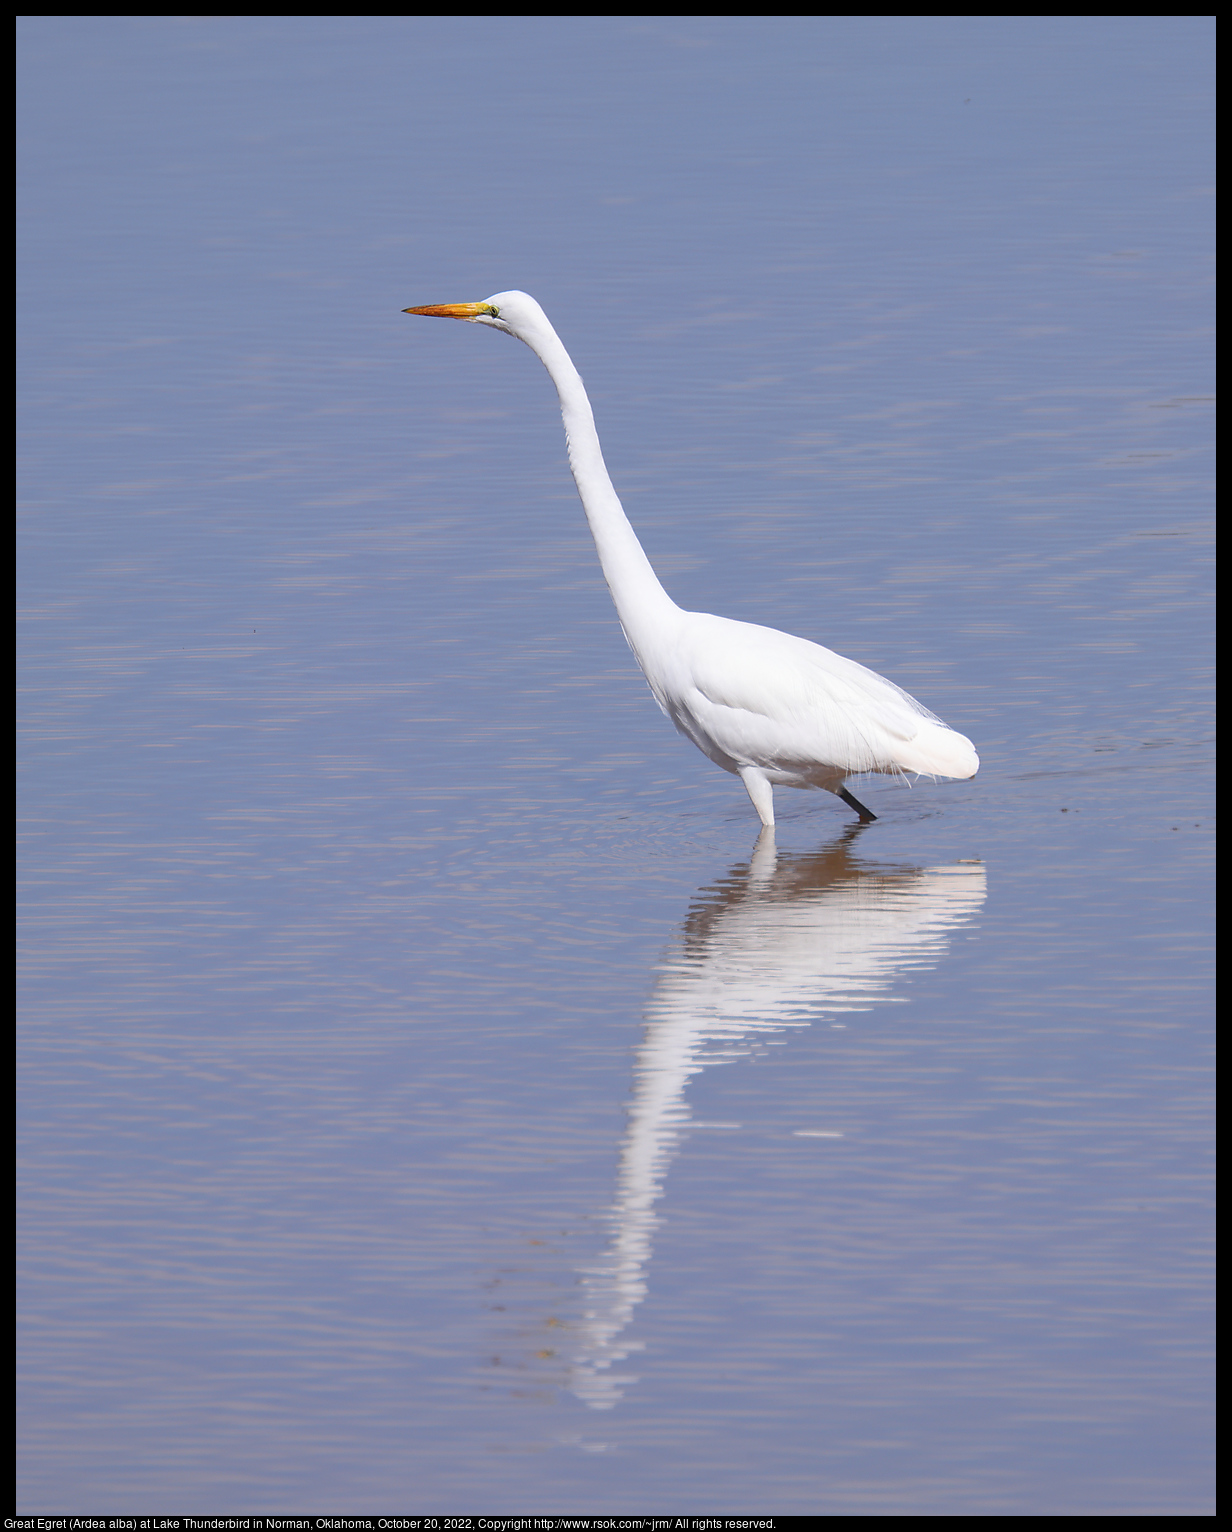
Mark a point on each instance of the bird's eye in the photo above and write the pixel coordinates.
(495, 313)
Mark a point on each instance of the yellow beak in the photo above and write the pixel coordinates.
(453, 310)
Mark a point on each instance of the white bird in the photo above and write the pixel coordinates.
(773, 709)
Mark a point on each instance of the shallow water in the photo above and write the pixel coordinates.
(434, 1095)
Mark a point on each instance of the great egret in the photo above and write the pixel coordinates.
(770, 708)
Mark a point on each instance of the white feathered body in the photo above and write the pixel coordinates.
(802, 714)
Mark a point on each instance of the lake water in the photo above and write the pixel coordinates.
(433, 1094)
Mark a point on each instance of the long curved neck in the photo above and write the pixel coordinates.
(635, 587)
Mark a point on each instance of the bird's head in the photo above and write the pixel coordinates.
(516, 313)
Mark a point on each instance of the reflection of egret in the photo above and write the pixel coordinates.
(762, 704)
(775, 946)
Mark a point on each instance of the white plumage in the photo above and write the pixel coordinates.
(774, 709)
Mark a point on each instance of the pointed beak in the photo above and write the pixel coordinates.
(453, 310)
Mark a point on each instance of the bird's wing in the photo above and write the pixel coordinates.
(760, 670)
(767, 696)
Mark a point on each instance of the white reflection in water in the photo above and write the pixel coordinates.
(779, 943)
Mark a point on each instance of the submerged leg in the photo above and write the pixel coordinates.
(760, 791)
(866, 815)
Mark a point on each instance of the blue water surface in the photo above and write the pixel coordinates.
(434, 1097)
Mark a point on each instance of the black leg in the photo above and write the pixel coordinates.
(866, 815)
